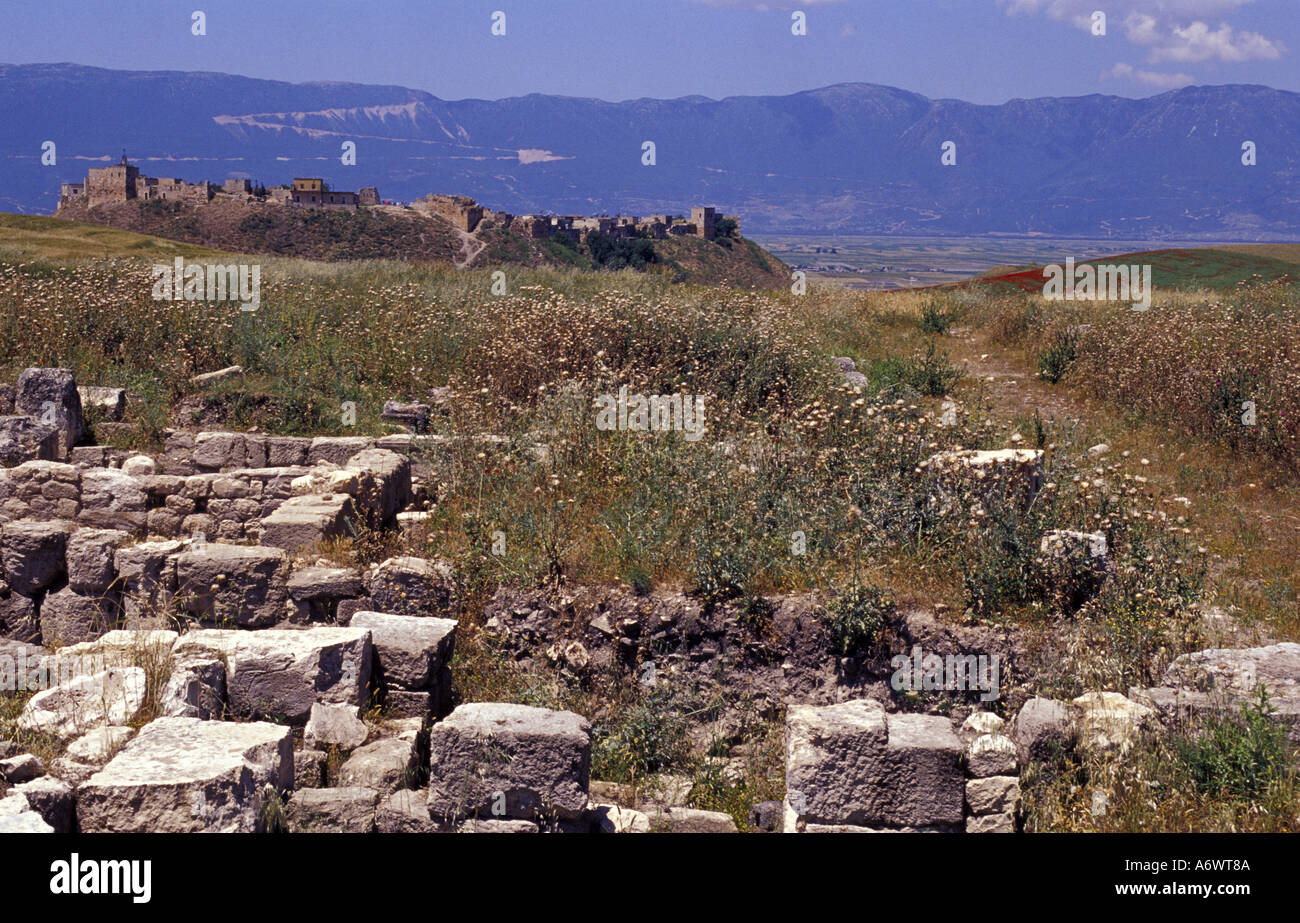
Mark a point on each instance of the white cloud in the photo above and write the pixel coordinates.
(1196, 42)
(1142, 29)
(1122, 71)
(848, 29)
(1171, 30)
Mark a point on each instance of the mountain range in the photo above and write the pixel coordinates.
(844, 159)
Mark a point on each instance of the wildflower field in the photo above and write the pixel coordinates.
(806, 479)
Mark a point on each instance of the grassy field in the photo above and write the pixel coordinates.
(891, 263)
(56, 240)
(1179, 269)
(788, 448)
(1287, 253)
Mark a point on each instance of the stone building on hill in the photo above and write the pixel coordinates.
(123, 182)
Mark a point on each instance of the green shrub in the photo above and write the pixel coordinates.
(620, 253)
(1003, 570)
(857, 618)
(272, 812)
(930, 373)
(934, 319)
(1056, 359)
(648, 737)
(1242, 754)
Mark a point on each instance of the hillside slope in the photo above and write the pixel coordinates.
(172, 228)
(1216, 268)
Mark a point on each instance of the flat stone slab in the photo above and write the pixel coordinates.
(52, 799)
(1238, 672)
(317, 591)
(1110, 721)
(497, 760)
(388, 764)
(21, 768)
(90, 554)
(99, 746)
(986, 472)
(33, 553)
(110, 401)
(335, 726)
(404, 812)
(336, 449)
(325, 583)
(112, 499)
(281, 673)
(1043, 728)
(23, 439)
(142, 648)
(993, 795)
(680, 820)
(1222, 680)
(147, 575)
(991, 755)
(186, 775)
(409, 585)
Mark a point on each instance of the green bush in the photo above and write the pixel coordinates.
(620, 253)
(1054, 361)
(934, 319)
(930, 373)
(1242, 755)
(1003, 570)
(857, 618)
(648, 737)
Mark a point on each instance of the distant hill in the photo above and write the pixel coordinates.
(317, 234)
(155, 228)
(852, 158)
(1214, 268)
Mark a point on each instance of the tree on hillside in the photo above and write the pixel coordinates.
(611, 253)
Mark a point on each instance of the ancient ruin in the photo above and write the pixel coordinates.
(123, 182)
(188, 587)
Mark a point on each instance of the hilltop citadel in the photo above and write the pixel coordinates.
(123, 182)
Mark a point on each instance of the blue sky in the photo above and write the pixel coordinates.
(984, 51)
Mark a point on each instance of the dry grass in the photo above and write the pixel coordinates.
(787, 449)
(1147, 387)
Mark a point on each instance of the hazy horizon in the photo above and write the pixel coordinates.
(632, 99)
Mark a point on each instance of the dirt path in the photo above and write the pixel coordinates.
(1239, 508)
(1008, 384)
(470, 248)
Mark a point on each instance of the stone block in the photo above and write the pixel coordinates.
(186, 775)
(281, 673)
(513, 761)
